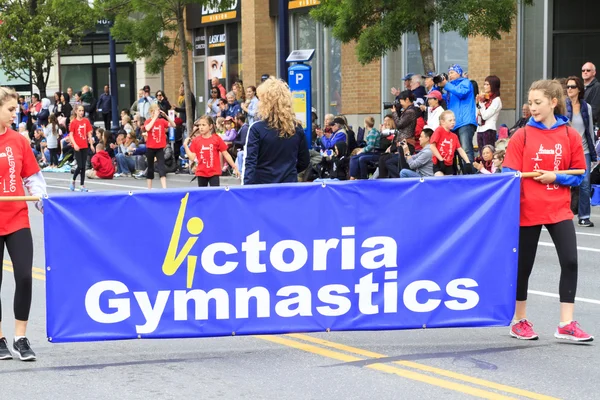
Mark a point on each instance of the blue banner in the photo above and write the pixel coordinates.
(366, 255)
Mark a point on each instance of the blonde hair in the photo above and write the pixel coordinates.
(275, 107)
(370, 122)
(210, 121)
(445, 114)
(7, 94)
(552, 89)
(153, 107)
(241, 94)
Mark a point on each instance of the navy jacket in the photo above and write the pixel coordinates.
(273, 159)
(233, 110)
(104, 103)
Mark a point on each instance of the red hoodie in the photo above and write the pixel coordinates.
(103, 165)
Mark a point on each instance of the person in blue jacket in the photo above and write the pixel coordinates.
(233, 107)
(460, 99)
(276, 148)
(337, 134)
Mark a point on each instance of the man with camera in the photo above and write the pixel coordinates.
(421, 164)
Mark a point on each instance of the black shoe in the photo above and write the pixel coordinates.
(586, 223)
(23, 349)
(5, 353)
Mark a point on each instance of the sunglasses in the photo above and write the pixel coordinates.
(571, 86)
(586, 70)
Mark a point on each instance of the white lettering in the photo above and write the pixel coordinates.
(151, 314)
(92, 302)
(252, 247)
(410, 296)
(455, 289)
(320, 251)
(388, 251)
(300, 255)
(390, 292)
(208, 258)
(348, 248)
(365, 289)
(302, 300)
(201, 299)
(242, 302)
(326, 295)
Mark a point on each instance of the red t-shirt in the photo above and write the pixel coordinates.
(207, 152)
(156, 136)
(80, 129)
(16, 162)
(550, 150)
(447, 143)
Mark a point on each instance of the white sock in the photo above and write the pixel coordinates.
(18, 337)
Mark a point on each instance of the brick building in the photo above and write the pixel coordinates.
(548, 39)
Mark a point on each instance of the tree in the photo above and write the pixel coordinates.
(378, 25)
(156, 32)
(33, 30)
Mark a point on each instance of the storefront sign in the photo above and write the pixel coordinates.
(211, 14)
(199, 43)
(295, 4)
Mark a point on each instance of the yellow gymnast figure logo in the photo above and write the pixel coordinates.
(173, 260)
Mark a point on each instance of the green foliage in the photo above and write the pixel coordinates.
(378, 25)
(33, 30)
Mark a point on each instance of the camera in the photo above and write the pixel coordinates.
(439, 78)
(388, 105)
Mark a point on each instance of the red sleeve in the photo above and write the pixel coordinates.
(514, 152)
(30, 165)
(72, 126)
(95, 163)
(577, 155)
(221, 146)
(435, 138)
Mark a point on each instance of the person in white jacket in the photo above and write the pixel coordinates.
(434, 109)
(488, 109)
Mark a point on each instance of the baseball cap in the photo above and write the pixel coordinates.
(434, 94)
(429, 74)
(338, 120)
(264, 77)
(407, 77)
(314, 111)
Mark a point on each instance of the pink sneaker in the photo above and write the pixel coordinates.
(572, 332)
(523, 330)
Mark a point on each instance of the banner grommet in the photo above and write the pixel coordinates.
(323, 184)
(422, 180)
(130, 193)
(227, 188)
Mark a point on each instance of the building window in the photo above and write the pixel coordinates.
(532, 46)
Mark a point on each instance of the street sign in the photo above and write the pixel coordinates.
(299, 80)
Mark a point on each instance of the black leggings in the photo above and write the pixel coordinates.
(563, 236)
(211, 181)
(54, 156)
(20, 249)
(160, 159)
(81, 158)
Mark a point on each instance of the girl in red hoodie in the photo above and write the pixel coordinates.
(18, 168)
(547, 144)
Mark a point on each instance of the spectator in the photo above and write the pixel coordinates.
(134, 109)
(212, 106)
(102, 166)
(337, 134)
(521, 122)
(34, 109)
(407, 81)
(250, 106)
(181, 105)
(502, 132)
(407, 121)
(369, 153)
(240, 141)
(23, 130)
(340, 162)
(71, 97)
(592, 89)
(156, 141)
(460, 99)
(42, 117)
(38, 144)
(23, 110)
(498, 160)
(579, 113)
(488, 111)
(418, 90)
(434, 110)
(216, 83)
(230, 132)
(55, 107)
(421, 164)
(223, 106)
(485, 163)
(233, 107)
(163, 102)
(126, 124)
(207, 148)
(429, 81)
(64, 116)
(89, 103)
(444, 143)
(388, 130)
(52, 134)
(105, 107)
(145, 103)
(276, 149)
(238, 90)
(124, 154)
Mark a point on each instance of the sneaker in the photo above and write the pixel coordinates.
(72, 187)
(5, 353)
(586, 223)
(23, 349)
(83, 189)
(523, 330)
(572, 332)
(117, 175)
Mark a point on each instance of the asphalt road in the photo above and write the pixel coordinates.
(443, 363)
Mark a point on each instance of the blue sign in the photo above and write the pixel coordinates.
(368, 255)
(299, 80)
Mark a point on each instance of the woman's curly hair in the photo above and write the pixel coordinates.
(275, 107)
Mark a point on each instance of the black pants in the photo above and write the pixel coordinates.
(54, 156)
(563, 236)
(81, 158)
(107, 121)
(20, 249)
(160, 159)
(212, 181)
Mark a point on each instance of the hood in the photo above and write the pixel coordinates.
(560, 121)
(103, 154)
(45, 104)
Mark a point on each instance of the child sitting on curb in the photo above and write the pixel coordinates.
(103, 167)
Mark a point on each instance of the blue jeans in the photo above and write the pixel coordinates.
(465, 134)
(125, 165)
(409, 173)
(359, 164)
(239, 160)
(585, 208)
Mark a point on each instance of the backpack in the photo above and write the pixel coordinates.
(351, 138)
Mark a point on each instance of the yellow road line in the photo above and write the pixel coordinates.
(7, 266)
(35, 269)
(427, 368)
(430, 380)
